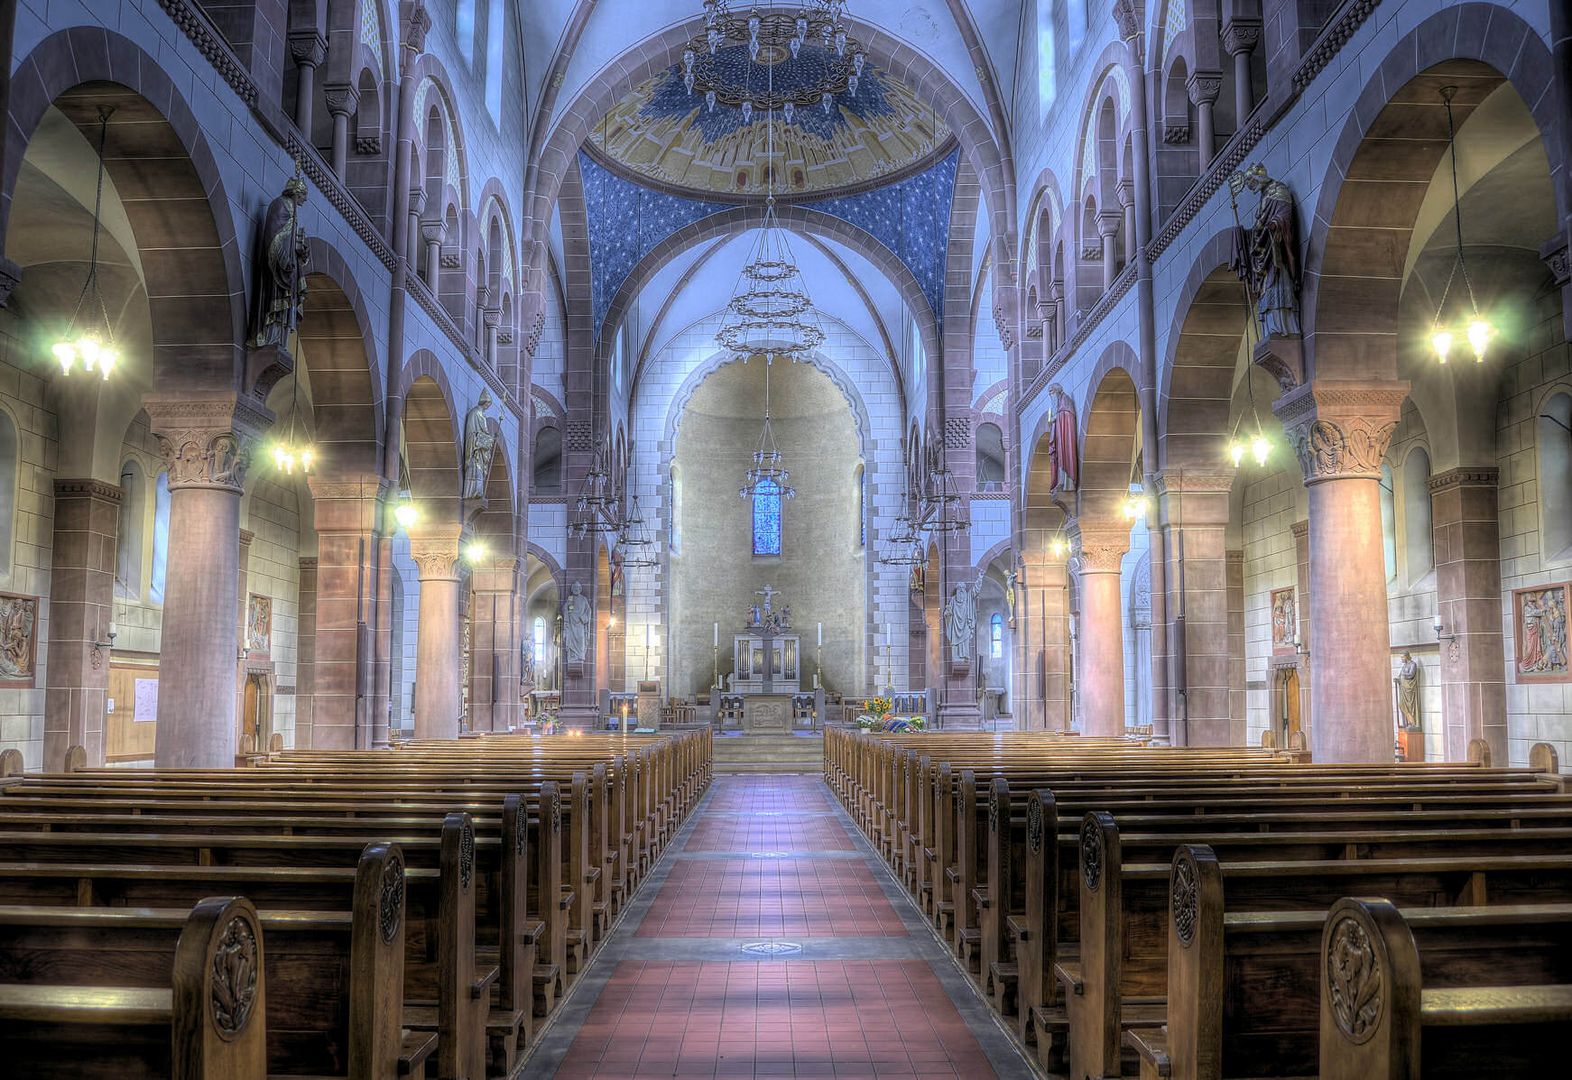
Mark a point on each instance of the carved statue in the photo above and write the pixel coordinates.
(1408, 676)
(1063, 449)
(283, 259)
(1266, 253)
(960, 619)
(479, 446)
(1543, 649)
(527, 664)
(18, 618)
(576, 624)
(1010, 580)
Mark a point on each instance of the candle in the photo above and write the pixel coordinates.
(889, 634)
(821, 633)
(717, 636)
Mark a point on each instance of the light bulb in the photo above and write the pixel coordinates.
(796, 47)
(688, 57)
(1057, 547)
(840, 43)
(858, 60)
(802, 28)
(406, 514)
(713, 37)
(107, 359)
(747, 112)
(687, 80)
(753, 28)
(1260, 447)
(1132, 507)
(1441, 342)
(851, 85)
(308, 458)
(709, 100)
(65, 353)
(279, 457)
(87, 347)
(475, 550)
(825, 101)
(1479, 334)
(1236, 451)
(788, 111)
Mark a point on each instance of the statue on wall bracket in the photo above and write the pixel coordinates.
(280, 264)
(1063, 447)
(480, 444)
(1266, 252)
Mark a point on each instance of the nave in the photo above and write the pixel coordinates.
(772, 941)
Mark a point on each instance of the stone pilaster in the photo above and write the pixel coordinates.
(81, 609)
(1193, 514)
(1300, 530)
(347, 517)
(1467, 536)
(306, 654)
(1340, 431)
(438, 699)
(207, 445)
(1099, 554)
(495, 640)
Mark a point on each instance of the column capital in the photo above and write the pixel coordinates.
(1204, 87)
(1340, 429)
(1186, 498)
(1241, 35)
(10, 276)
(307, 48)
(417, 200)
(432, 230)
(341, 100)
(1101, 550)
(1486, 476)
(1108, 222)
(435, 552)
(206, 442)
(1300, 529)
(87, 488)
(1124, 191)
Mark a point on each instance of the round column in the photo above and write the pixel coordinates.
(1100, 661)
(437, 661)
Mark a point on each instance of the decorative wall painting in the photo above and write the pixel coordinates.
(1539, 633)
(259, 625)
(1285, 621)
(18, 639)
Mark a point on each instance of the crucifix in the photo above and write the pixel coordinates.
(769, 592)
(767, 627)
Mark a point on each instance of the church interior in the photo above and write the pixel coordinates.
(691, 538)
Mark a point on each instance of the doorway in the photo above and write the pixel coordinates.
(1288, 722)
(256, 713)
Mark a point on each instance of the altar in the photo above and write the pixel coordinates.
(766, 667)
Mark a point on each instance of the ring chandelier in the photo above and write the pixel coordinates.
(817, 58)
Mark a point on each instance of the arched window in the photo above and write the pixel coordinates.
(538, 643)
(133, 520)
(990, 457)
(1388, 523)
(996, 636)
(676, 511)
(1047, 76)
(496, 41)
(464, 28)
(9, 454)
(1418, 540)
(1553, 435)
(767, 519)
(160, 539)
(547, 475)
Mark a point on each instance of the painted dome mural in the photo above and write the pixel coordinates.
(662, 133)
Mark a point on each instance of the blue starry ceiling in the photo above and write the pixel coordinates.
(626, 221)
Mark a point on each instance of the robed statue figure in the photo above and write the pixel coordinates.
(1063, 452)
(479, 446)
(576, 624)
(960, 620)
(1408, 675)
(283, 259)
(1266, 253)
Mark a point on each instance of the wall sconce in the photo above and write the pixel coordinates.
(100, 646)
(1440, 629)
(1299, 647)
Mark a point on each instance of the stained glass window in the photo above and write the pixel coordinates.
(996, 636)
(767, 519)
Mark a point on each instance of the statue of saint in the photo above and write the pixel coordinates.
(1011, 578)
(1266, 253)
(576, 624)
(479, 446)
(960, 619)
(1408, 675)
(283, 259)
(1063, 449)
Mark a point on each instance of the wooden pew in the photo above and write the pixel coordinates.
(206, 1019)
(1395, 1008)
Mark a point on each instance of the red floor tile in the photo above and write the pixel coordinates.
(770, 898)
(769, 834)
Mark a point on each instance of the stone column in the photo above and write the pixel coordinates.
(1125, 190)
(1300, 530)
(1061, 330)
(494, 643)
(1041, 687)
(207, 446)
(1099, 556)
(1108, 222)
(341, 103)
(417, 203)
(438, 700)
(81, 609)
(491, 319)
(1239, 40)
(346, 513)
(306, 654)
(242, 572)
(1340, 431)
(308, 49)
(1467, 536)
(1193, 514)
(1238, 712)
(1204, 87)
(431, 232)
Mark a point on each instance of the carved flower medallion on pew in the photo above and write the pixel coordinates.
(1092, 854)
(1353, 979)
(234, 988)
(466, 855)
(1034, 826)
(391, 909)
(993, 811)
(1184, 898)
(520, 828)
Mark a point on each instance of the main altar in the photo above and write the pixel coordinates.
(766, 667)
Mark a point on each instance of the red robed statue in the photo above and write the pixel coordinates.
(1065, 458)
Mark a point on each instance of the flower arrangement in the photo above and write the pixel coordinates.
(881, 707)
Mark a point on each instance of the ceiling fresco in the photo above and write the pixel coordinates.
(661, 133)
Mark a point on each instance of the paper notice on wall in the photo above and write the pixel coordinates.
(146, 700)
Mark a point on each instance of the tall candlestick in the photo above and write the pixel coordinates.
(716, 642)
(821, 634)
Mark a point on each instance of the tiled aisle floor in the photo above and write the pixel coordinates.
(849, 982)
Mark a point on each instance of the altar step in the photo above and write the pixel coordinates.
(769, 753)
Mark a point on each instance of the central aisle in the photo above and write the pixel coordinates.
(771, 941)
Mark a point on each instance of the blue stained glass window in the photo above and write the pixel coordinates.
(767, 519)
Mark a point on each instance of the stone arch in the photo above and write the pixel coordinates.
(1196, 384)
(431, 437)
(497, 523)
(1108, 444)
(1370, 198)
(340, 355)
(197, 293)
(573, 120)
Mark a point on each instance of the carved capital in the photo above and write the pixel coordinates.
(432, 230)
(341, 100)
(206, 443)
(307, 48)
(1108, 222)
(1124, 191)
(1241, 35)
(1341, 429)
(435, 554)
(1101, 551)
(415, 29)
(1485, 476)
(1555, 253)
(417, 200)
(1127, 18)
(1204, 87)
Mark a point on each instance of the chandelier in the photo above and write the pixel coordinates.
(91, 342)
(903, 547)
(1477, 329)
(767, 476)
(634, 540)
(293, 453)
(943, 509)
(597, 511)
(817, 58)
